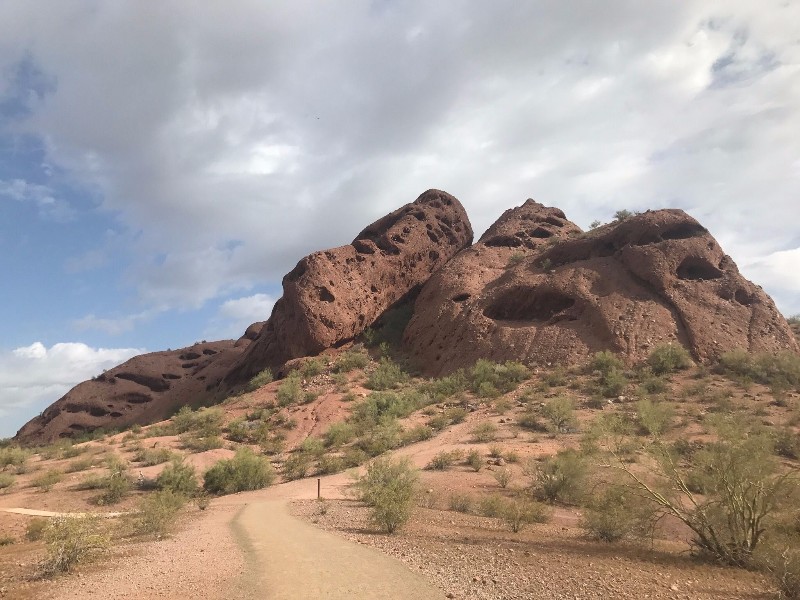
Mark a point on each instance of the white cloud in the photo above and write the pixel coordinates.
(32, 377)
(113, 326)
(780, 273)
(42, 196)
(235, 315)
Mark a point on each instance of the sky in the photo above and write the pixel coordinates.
(163, 164)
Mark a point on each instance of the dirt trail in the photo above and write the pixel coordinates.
(296, 560)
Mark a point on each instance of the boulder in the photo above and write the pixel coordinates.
(536, 288)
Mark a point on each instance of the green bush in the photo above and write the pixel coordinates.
(521, 510)
(386, 376)
(290, 390)
(201, 443)
(157, 513)
(152, 456)
(259, 381)
(115, 487)
(6, 480)
(35, 529)
(244, 472)
(297, 466)
(178, 477)
(655, 418)
(781, 370)
(444, 459)
(312, 367)
(460, 502)
(491, 506)
(350, 360)
(668, 358)
(418, 433)
(239, 431)
(474, 460)
(79, 465)
(47, 480)
(616, 512)
(329, 464)
(488, 379)
(206, 422)
(339, 434)
(559, 478)
(72, 540)
(560, 411)
(483, 432)
(503, 477)
(13, 455)
(389, 487)
(605, 362)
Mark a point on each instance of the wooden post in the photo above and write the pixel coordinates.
(319, 485)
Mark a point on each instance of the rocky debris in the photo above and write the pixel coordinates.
(536, 288)
(332, 296)
(145, 389)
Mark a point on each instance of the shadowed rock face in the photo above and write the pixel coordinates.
(535, 288)
(145, 389)
(332, 296)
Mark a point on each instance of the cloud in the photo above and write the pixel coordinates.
(42, 196)
(236, 315)
(252, 137)
(113, 326)
(32, 377)
(780, 272)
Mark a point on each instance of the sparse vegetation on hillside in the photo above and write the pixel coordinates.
(72, 540)
(259, 380)
(244, 472)
(389, 487)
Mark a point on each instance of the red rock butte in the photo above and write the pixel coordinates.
(535, 288)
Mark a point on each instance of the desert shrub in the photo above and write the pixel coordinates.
(206, 422)
(559, 478)
(350, 360)
(491, 506)
(474, 460)
(455, 415)
(13, 455)
(742, 487)
(612, 384)
(201, 443)
(668, 358)
(244, 472)
(654, 418)
(381, 438)
(35, 529)
(297, 466)
(354, 456)
(488, 379)
(787, 443)
(152, 456)
(485, 431)
(521, 510)
(511, 456)
(79, 465)
(446, 387)
(6, 480)
(444, 459)
(330, 464)
(418, 433)
(290, 390)
(652, 384)
(560, 411)
(47, 480)
(605, 362)
(459, 502)
(389, 487)
(259, 380)
(781, 370)
(72, 540)
(339, 434)
(312, 367)
(503, 477)
(386, 376)
(115, 487)
(157, 513)
(178, 477)
(616, 512)
(530, 420)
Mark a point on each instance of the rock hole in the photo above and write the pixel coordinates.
(209, 352)
(528, 304)
(97, 411)
(434, 237)
(742, 297)
(683, 231)
(433, 255)
(541, 233)
(325, 294)
(554, 221)
(697, 268)
(115, 414)
(184, 356)
(461, 297)
(503, 241)
(373, 289)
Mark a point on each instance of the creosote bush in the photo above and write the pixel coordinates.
(488, 379)
(351, 360)
(668, 358)
(389, 487)
(560, 411)
(244, 472)
(780, 371)
(615, 512)
(157, 513)
(386, 376)
(178, 477)
(260, 380)
(290, 390)
(483, 432)
(72, 540)
(559, 478)
(521, 510)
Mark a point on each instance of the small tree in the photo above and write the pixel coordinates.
(389, 487)
(725, 493)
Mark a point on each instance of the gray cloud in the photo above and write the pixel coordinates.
(235, 141)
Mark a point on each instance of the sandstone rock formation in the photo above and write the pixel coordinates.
(145, 389)
(537, 289)
(332, 296)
